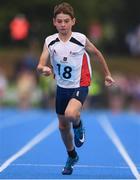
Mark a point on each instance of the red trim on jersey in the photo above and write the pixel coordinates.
(85, 73)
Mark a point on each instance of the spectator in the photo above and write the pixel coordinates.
(26, 85)
(3, 86)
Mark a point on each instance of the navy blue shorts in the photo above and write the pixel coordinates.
(64, 95)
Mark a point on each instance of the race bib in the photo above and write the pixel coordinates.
(66, 72)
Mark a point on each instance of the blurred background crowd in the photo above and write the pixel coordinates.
(112, 25)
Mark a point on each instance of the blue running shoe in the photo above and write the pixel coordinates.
(79, 135)
(68, 169)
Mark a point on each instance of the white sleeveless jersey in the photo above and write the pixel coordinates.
(70, 61)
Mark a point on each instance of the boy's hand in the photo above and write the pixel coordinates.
(46, 71)
(109, 81)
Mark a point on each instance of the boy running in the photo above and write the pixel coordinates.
(72, 70)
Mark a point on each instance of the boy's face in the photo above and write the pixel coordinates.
(63, 23)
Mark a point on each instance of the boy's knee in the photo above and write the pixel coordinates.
(72, 114)
(63, 127)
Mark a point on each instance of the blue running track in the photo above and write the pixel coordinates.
(31, 147)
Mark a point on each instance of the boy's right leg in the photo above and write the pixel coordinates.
(67, 137)
(65, 131)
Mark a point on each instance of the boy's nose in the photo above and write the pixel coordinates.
(63, 24)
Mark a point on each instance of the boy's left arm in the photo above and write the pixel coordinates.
(91, 48)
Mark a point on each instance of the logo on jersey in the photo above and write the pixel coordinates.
(73, 53)
(54, 52)
(65, 59)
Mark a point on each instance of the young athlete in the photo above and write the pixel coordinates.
(71, 67)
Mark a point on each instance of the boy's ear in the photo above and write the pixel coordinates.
(74, 21)
(54, 21)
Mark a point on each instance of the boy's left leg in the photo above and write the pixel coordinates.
(73, 114)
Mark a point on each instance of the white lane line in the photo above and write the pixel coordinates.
(103, 120)
(37, 139)
(79, 166)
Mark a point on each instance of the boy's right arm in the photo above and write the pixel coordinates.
(41, 67)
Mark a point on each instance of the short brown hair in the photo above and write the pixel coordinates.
(65, 8)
